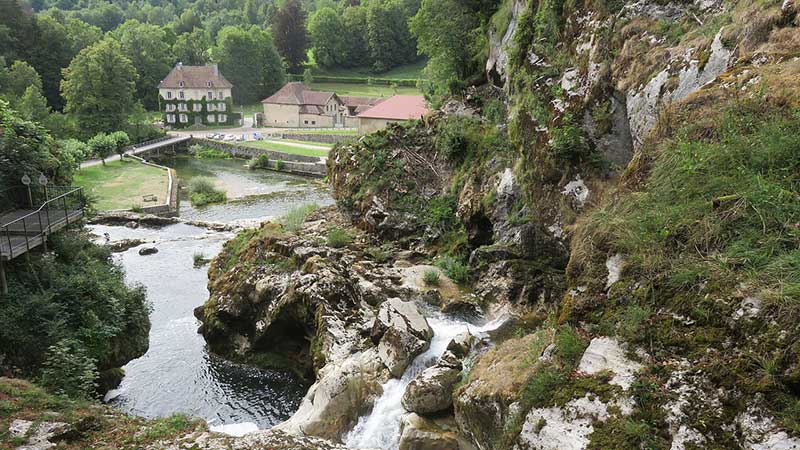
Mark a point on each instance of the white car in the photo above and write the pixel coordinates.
(229, 138)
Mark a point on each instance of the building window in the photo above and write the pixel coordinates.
(221, 107)
(182, 107)
(197, 107)
(170, 107)
(209, 95)
(180, 94)
(219, 95)
(305, 122)
(211, 118)
(208, 83)
(210, 107)
(169, 95)
(183, 118)
(313, 122)
(181, 84)
(170, 118)
(222, 118)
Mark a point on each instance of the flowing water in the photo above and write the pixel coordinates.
(381, 428)
(178, 374)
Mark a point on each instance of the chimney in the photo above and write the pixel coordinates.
(215, 70)
(179, 66)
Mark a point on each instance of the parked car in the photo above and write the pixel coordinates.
(229, 138)
(258, 137)
(240, 138)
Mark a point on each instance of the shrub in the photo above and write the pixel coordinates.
(259, 162)
(200, 259)
(380, 254)
(69, 370)
(338, 238)
(202, 152)
(295, 218)
(495, 110)
(102, 146)
(569, 143)
(279, 164)
(121, 140)
(570, 345)
(454, 268)
(431, 277)
(202, 192)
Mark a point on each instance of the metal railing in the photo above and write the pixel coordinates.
(58, 206)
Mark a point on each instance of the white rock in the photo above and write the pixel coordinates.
(761, 433)
(614, 266)
(507, 183)
(748, 309)
(605, 353)
(566, 428)
(578, 190)
(235, 429)
(19, 428)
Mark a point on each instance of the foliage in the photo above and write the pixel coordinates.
(121, 140)
(102, 145)
(446, 33)
(337, 238)
(99, 87)
(146, 46)
(199, 259)
(569, 143)
(202, 152)
(389, 40)
(203, 192)
(454, 268)
(74, 298)
(289, 34)
(259, 162)
(26, 149)
(249, 60)
(69, 370)
(431, 277)
(326, 32)
(192, 48)
(295, 218)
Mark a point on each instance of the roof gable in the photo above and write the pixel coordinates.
(197, 77)
(398, 107)
(296, 93)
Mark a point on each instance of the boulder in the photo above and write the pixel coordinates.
(418, 433)
(144, 251)
(401, 333)
(343, 393)
(432, 390)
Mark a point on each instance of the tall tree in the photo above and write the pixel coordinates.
(192, 48)
(50, 58)
(145, 45)
(33, 106)
(390, 43)
(327, 35)
(81, 34)
(289, 34)
(444, 30)
(99, 87)
(15, 80)
(249, 60)
(354, 21)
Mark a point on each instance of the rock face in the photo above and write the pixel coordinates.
(418, 433)
(401, 333)
(606, 354)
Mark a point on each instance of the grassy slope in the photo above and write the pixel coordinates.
(121, 184)
(291, 149)
(97, 427)
(407, 72)
(365, 89)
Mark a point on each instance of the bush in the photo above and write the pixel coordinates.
(121, 140)
(69, 370)
(259, 162)
(454, 268)
(279, 164)
(200, 260)
(431, 277)
(202, 192)
(102, 146)
(295, 218)
(202, 152)
(338, 238)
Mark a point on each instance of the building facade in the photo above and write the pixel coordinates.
(296, 106)
(196, 95)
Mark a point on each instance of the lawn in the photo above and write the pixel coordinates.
(122, 184)
(411, 71)
(365, 90)
(286, 148)
(335, 131)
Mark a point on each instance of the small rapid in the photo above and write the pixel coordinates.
(381, 428)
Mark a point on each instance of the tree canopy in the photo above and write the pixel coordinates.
(289, 34)
(250, 61)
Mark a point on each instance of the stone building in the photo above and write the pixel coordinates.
(399, 108)
(296, 106)
(196, 95)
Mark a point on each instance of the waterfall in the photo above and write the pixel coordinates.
(381, 428)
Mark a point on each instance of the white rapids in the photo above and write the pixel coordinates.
(381, 428)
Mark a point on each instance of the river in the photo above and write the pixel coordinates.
(178, 374)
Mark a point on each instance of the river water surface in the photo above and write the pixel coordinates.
(178, 374)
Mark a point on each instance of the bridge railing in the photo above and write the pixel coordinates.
(59, 207)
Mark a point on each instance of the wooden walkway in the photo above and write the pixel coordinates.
(144, 147)
(22, 230)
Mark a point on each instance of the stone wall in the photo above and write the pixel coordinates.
(311, 137)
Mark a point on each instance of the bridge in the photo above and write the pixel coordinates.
(143, 147)
(29, 215)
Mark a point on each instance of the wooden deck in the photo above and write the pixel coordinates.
(23, 235)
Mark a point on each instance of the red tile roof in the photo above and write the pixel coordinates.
(398, 107)
(194, 77)
(297, 94)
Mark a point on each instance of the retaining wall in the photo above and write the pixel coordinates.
(170, 206)
(312, 137)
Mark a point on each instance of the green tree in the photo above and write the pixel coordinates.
(192, 48)
(17, 79)
(444, 31)
(249, 60)
(74, 152)
(289, 34)
(52, 54)
(145, 45)
(388, 38)
(81, 34)
(354, 21)
(121, 140)
(33, 106)
(99, 87)
(187, 21)
(327, 34)
(102, 145)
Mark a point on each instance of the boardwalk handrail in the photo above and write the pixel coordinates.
(71, 203)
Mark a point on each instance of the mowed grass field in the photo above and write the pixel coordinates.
(122, 184)
(291, 149)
